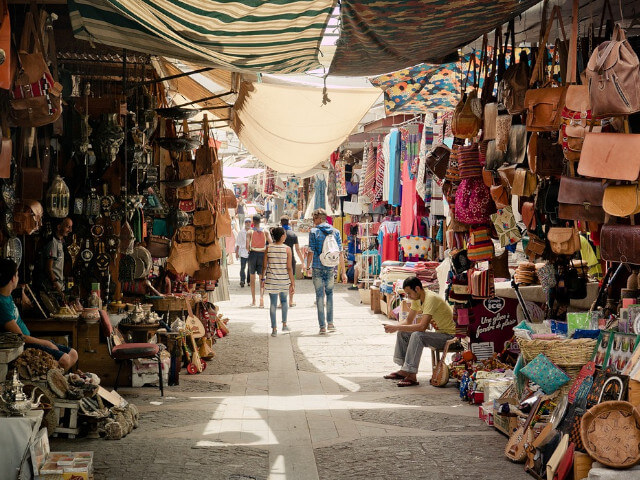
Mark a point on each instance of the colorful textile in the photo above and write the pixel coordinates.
(384, 36)
(332, 196)
(379, 185)
(291, 198)
(320, 186)
(393, 164)
(270, 37)
(480, 245)
(416, 249)
(408, 219)
(341, 179)
(367, 183)
(506, 227)
(421, 88)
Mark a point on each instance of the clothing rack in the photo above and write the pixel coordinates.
(365, 256)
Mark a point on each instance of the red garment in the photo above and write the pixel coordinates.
(390, 247)
(407, 221)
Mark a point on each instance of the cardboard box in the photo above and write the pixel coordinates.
(505, 423)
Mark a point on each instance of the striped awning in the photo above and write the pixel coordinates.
(275, 36)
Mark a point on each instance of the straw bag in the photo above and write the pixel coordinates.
(203, 218)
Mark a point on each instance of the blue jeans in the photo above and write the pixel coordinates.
(273, 297)
(323, 283)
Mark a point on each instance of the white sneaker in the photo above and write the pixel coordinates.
(322, 331)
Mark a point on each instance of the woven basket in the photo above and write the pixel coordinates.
(563, 353)
(607, 427)
(170, 303)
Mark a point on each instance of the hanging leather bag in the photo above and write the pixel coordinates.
(208, 253)
(6, 72)
(467, 116)
(577, 120)
(613, 156)
(564, 240)
(437, 160)
(544, 105)
(35, 96)
(620, 243)
(581, 199)
(515, 82)
(613, 77)
(205, 234)
(524, 183)
(159, 246)
(206, 155)
(27, 217)
(546, 158)
(6, 149)
(229, 198)
(621, 200)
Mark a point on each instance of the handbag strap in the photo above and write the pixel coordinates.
(572, 60)
(606, 6)
(472, 61)
(538, 68)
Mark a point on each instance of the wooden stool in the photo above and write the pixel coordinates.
(436, 354)
(66, 417)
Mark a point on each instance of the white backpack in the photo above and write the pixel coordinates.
(330, 256)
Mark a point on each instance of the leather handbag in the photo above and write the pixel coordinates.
(205, 234)
(35, 96)
(528, 212)
(507, 176)
(564, 240)
(203, 217)
(544, 105)
(493, 156)
(517, 147)
(613, 77)
(536, 246)
(6, 72)
(513, 86)
(466, 121)
(208, 272)
(31, 178)
(206, 155)
(577, 119)
(437, 160)
(223, 224)
(545, 156)
(186, 234)
(182, 258)
(488, 177)
(159, 246)
(622, 200)
(500, 195)
(489, 121)
(27, 217)
(610, 155)
(229, 198)
(620, 243)
(524, 183)
(185, 193)
(547, 199)
(208, 253)
(581, 199)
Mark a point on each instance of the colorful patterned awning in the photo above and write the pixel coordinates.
(384, 36)
(421, 88)
(276, 36)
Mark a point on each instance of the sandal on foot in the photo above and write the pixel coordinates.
(408, 383)
(394, 376)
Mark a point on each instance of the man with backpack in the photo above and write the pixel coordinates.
(257, 240)
(325, 253)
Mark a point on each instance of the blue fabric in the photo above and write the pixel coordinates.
(321, 194)
(9, 312)
(323, 283)
(316, 239)
(273, 298)
(394, 168)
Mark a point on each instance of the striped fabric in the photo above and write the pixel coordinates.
(480, 245)
(365, 164)
(469, 162)
(276, 36)
(277, 276)
(379, 175)
(370, 174)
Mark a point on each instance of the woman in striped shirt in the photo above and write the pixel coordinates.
(277, 276)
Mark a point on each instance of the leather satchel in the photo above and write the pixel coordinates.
(203, 217)
(223, 224)
(437, 160)
(524, 183)
(545, 156)
(205, 235)
(610, 155)
(622, 200)
(500, 195)
(31, 179)
(613, 75)
(564, 240)
(158, 246)
(529, 219)
(620, 243)
(466, 123)
(581, 199)
(507, 175)
(208, 253)
(185, 193)
(186, 234)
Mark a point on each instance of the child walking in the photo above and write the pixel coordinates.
(277, 275)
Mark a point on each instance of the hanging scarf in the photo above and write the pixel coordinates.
(379, 185)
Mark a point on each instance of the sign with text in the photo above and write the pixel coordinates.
(493, 321)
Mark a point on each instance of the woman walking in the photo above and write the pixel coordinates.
(277, 275)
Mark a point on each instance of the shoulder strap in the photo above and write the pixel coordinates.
(537, 69)
(572, 60)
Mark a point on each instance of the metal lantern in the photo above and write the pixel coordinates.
(58, 198)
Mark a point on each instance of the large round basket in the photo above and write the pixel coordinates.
(170, 303)
(610, 433)
(574, 352)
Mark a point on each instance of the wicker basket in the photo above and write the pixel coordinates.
(170, 303)
(564, 353)
(608, 426)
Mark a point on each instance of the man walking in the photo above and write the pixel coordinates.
(257, 240)
(241, 249)
(325, 253)
(427, 309)
(291, 240)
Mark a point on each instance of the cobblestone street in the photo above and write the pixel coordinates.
(301, 406)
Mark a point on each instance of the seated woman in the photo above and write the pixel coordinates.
(10, 320)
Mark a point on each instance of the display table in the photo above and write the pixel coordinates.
(54, 326)
(15, 435)
(140, 332)
(534, 293)
(8, 355)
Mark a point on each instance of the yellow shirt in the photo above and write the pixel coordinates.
(440, 311)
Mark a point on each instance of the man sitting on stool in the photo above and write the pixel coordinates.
(10, 320)
(427, 308)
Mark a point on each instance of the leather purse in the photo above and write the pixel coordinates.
(203, 217)
(524, 183)
(536, 246)
(159, 246)
(500, 195)
(229, 198)
(528, 212)
(620, 243)
(493, 156)
(182, 258)
(209, 272)
(507, 175)
(564, 240)
(208, 253)
(31, 178)
(223, 224)
(185, 193)
(513, 86)
(437, 160)
(205, 235)
(621, 200)
(614, 77)
(186, 234)
(545, 156)
(488, 177)
(581, 199)
(610, 155)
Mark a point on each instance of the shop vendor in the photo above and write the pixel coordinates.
(49, 274)
(427, 309)
(10, 320)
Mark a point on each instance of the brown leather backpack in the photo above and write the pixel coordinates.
(515, 81)
(613, 74)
